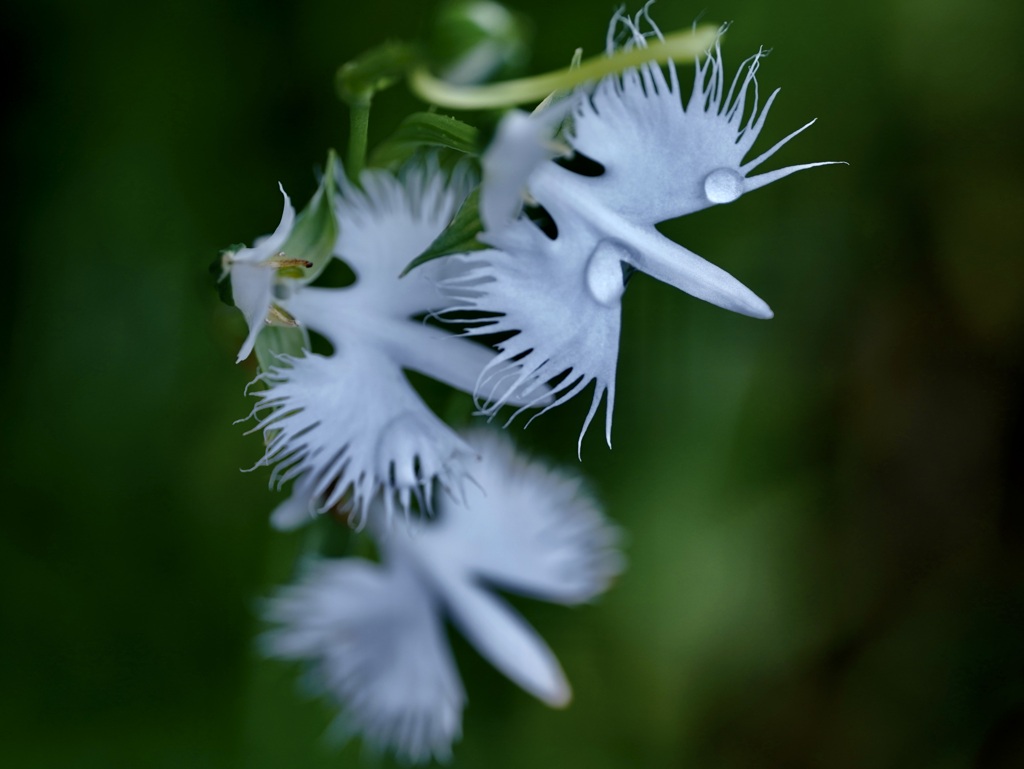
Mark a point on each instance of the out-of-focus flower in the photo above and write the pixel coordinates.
(374, 633)
(648, 157)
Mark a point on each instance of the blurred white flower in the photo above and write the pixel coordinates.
(253, 272)
(349, 425)
(649, 158)
(375, 635)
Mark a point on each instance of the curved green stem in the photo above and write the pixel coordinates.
(678, 46)
(359, 124)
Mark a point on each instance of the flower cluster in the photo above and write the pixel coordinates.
(562, 208)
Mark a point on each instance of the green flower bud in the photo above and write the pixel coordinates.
(478, 40)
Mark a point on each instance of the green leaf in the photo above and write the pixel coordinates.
(315, 232)
(274, 341)
(425, 129)
(458, 237)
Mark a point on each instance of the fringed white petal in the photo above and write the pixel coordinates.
(377, 646)
(350, 427)
(663, 159)
(386, 225)
(252, 279)
(562, 298)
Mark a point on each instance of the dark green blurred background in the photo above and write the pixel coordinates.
(823, 511)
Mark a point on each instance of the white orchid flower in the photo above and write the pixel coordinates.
(349, 426)
(375, 632)
(656, 157)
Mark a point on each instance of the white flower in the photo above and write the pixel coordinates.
(657, 158)
(375, 633)
(348, 426)
(252, 276)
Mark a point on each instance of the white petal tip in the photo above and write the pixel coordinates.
(560, 697)
(744, 302)
(247, 347)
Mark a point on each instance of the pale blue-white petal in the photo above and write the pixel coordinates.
(523, 526)
(252, 289)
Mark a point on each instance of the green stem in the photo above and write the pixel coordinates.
(359, 125)
(678, 46)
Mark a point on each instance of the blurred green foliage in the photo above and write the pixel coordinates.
(823, 511)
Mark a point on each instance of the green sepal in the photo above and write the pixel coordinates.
(356, 81)
(425, 129)
(220, 281)
(274, 341)
(458, 237)
(316, 229)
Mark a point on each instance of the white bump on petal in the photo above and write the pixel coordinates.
(723, 185)
(604, 275)
(378, 647)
